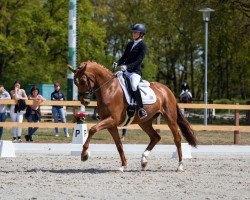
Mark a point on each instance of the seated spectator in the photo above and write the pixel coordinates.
(3, 108)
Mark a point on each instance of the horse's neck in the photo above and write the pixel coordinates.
(105, 83)
(102, 76)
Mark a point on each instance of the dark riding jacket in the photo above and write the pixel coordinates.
(133, 58)
(57, 95)
(184, 87)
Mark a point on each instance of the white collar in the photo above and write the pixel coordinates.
(137, 41)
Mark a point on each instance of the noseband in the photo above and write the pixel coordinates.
(89, 80)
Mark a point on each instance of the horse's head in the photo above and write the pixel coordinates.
(84, 81)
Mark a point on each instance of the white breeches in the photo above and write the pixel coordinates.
(134, 79)
(189, 93)
(16, 117)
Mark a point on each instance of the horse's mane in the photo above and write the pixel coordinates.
(94, 64)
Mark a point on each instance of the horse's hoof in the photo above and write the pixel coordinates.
(143, 165)
(85, 156)
(180, 168)
(122, 168)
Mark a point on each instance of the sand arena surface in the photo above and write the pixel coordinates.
(207, 176)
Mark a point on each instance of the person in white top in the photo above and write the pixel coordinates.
(3, 108)
(16, 94)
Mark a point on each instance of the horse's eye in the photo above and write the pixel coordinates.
(76, 81)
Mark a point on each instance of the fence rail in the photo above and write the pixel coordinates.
(93, 103)
(235, 127)
(133, 126)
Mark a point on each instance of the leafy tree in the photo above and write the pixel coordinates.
(33, 36)
(33, 41)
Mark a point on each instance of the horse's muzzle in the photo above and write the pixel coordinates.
(84, 98)
(85, 101)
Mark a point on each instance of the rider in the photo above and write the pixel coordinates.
(131, 63)
(185, 88)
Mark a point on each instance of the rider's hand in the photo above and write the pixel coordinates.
(115, 64)
(123, 68)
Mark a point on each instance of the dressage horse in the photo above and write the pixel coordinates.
(185, 97)
(91, 77)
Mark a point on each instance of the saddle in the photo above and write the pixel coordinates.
(147, 94)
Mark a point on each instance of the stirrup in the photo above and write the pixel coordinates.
(142, 113)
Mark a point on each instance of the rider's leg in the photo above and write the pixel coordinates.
(189, 93)
(182, 92)
(135, 80)
(142, 113)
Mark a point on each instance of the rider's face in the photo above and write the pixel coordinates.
(135, 35)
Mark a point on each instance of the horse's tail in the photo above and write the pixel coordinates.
(186, 130)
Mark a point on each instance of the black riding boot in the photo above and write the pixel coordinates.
(142, 113)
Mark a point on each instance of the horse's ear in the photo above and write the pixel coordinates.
(71, 68)
(83, 65)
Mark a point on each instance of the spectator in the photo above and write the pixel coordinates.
(17, 115)
(124, 132)
(33, 113)
(57, 111)
(3, 108)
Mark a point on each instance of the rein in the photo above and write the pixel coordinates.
(91, 90)
(94, 91)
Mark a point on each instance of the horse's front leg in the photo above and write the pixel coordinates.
(115, 134)
(99, 126)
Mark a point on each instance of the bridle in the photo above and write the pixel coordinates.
(91, 90)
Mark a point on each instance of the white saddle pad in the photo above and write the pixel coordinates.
(147, 94)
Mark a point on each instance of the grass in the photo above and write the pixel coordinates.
(47, 135)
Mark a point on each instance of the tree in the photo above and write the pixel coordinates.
(34, 35)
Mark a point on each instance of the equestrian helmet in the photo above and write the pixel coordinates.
(139, 28)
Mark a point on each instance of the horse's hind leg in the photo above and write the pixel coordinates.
(172, 123)
(154, 139)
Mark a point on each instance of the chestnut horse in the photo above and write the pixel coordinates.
(91, 77)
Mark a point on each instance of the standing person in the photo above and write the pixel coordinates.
(131, 63)
(3, 108)
(17, 115)
(57, 111)
(124, 132)
(33, 111)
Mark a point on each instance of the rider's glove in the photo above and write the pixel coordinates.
(123, 68)
(115, 64)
